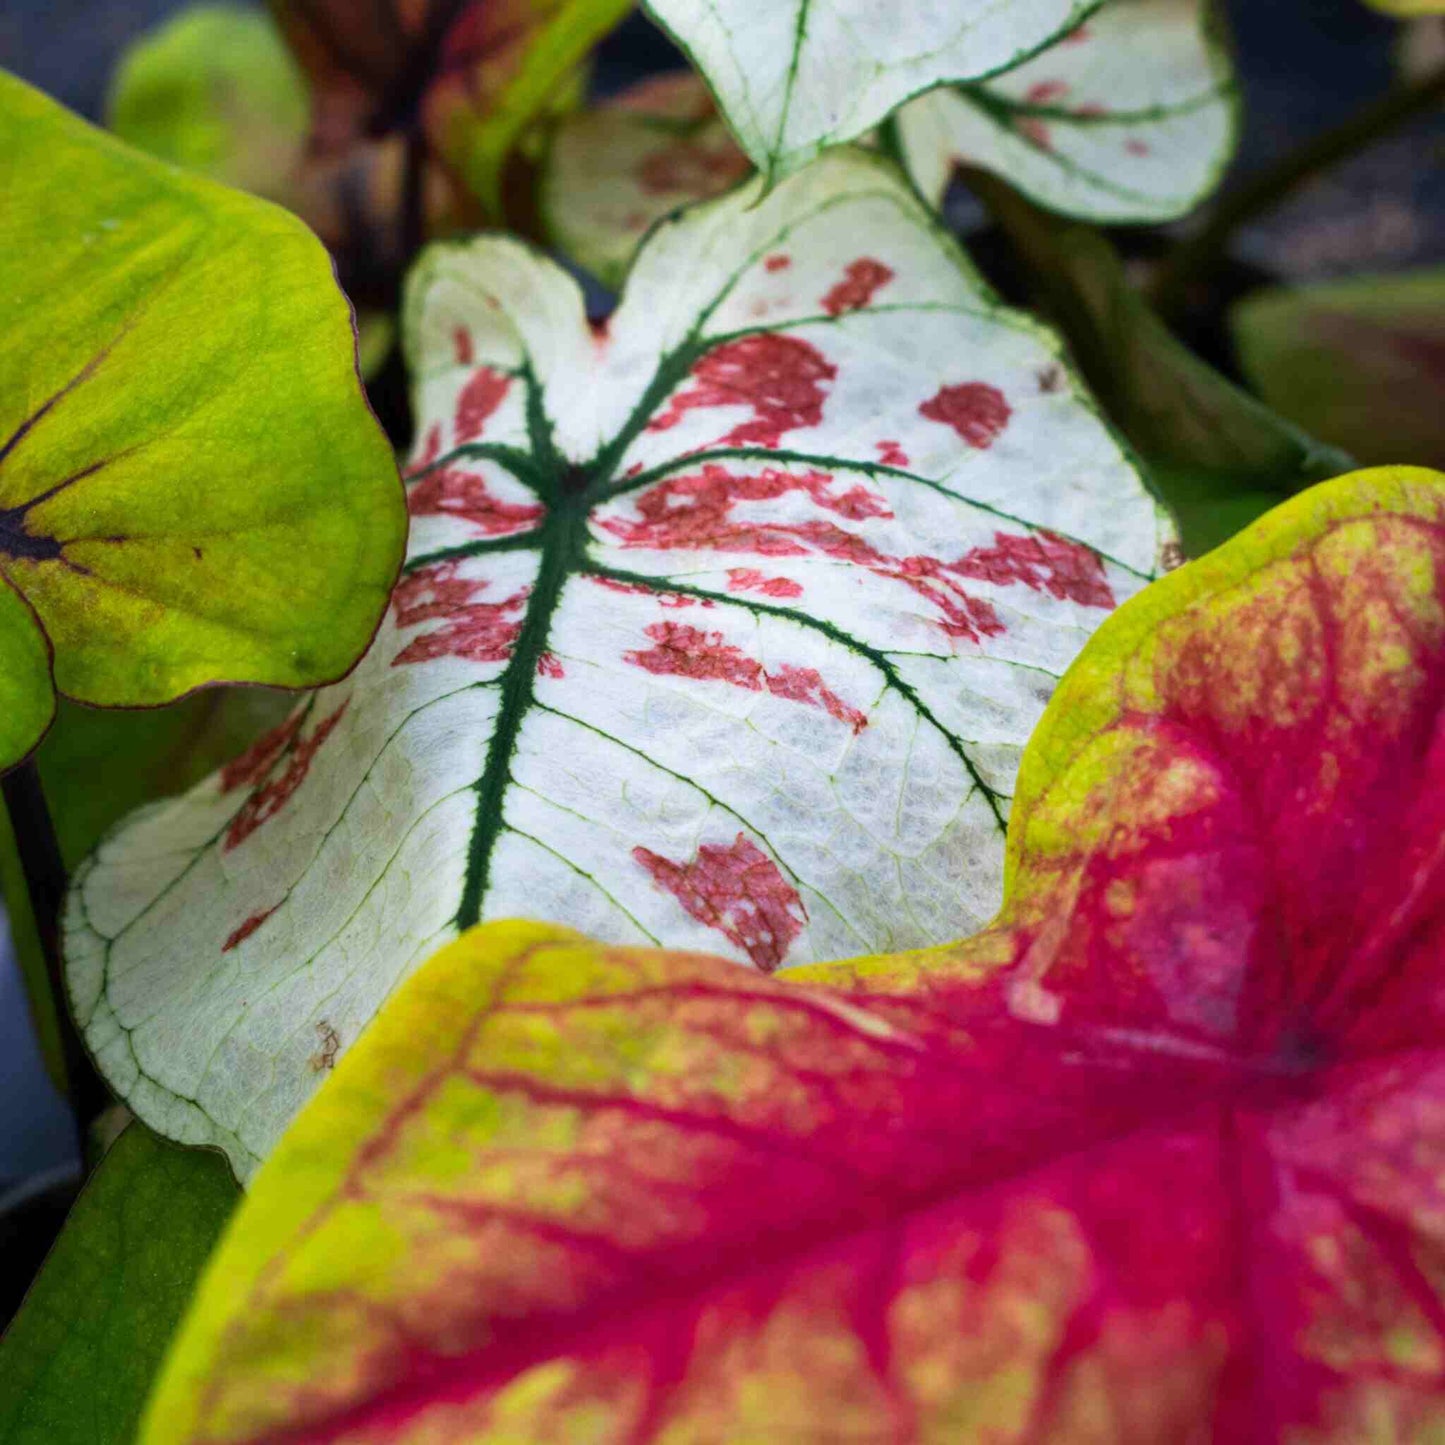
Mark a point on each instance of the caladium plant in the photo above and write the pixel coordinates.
(723, 626)
(192, 488)
(1156, 1157)
(1128, 118)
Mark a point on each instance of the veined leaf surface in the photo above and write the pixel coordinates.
(192, 488)
(795, 76)
(1156, 1158)
(1130, 118)
(724, 626)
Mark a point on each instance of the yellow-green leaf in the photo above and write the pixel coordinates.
(192, 488)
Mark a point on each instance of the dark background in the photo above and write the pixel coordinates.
(1304, 64)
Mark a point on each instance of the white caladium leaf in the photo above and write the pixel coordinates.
(612, 172)
(723, 628)
(1132, 117)
(796, 76)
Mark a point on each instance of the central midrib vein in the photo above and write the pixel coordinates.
(563, 536)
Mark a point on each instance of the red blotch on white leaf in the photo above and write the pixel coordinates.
(478, 400)
(978, 412)
(782, 380)
(270, 797)
(476, 631)
(749, 579)
(683, 651)
(862, 280)
(737, 890)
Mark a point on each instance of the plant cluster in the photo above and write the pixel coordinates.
(977, 772)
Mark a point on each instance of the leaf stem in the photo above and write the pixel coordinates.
(1195, 261)
(44, 869)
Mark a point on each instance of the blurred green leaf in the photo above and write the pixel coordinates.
(1361, 363)
(77, 1362)
(215, 89)
(1215, 454)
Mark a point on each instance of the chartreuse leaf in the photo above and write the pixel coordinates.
(192, 488)
(1130, 118)
(215, 89)
(723, 626)
(1360, 363)
(612, 172)
(78, 1360)
(795, 76)
(1157, 1157)
(1217, 455)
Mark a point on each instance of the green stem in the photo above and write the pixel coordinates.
(1197, 259)
(44, 869)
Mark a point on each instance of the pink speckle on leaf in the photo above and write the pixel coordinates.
(270, 797)
(1137, 147)
(683, 651)
(891, 454)
(476, 631)
(483, 393)
(695, 512)
(548, 666)
(1046, 92)
(462, 346)
(737, 890)
(862, 280)
(777, 262)
(253, 765)
(692, 168)
(749, 579)
(429, 453)
(977, 411)
(663, 599)
(1046, 563)
(455, 492)
(1035, 131)
(781, 379)
(243, 931)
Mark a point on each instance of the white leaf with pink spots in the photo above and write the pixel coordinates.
(1130, 118)
(796, 76)
(723, 627)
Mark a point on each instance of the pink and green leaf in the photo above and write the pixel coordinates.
(723, 627)
(192, 488)
(1156, 1157)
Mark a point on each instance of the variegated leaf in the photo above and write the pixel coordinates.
(1129, 118)
(614, 171)
(723, 627)
(795, 76)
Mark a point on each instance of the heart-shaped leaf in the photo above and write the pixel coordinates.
(1360, 363)
(795, 76)
(78, 1360)
(724, 626)
(1156, 1158)
(1130, 118)
(191, 486)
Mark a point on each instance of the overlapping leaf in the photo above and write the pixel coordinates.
(795, 77)
(191, 486)
(78, 1360)
(1158, 1157)
(1129, 118)
(1361, 363)
(723, 626)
